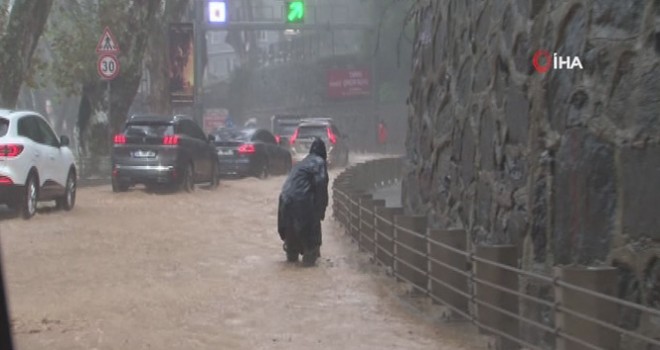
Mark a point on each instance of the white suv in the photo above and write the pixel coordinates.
(34, 164)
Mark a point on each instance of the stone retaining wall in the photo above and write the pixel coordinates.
(564, 165)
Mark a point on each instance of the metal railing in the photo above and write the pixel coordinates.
(482, 284)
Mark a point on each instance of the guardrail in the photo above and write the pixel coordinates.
(483, 284)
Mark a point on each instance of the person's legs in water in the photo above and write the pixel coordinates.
(312, 245)
(292, 247)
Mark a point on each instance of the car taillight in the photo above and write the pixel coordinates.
(171, 140)
(277, 138)
(332, 137)
(11, 150)
(294, 137)
(120, 139)
(246, 148)
(4, 180)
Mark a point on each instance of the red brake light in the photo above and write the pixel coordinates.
(246, 148)
(277, 138)
(332, 137)
(11, 150)
(171, 140)
(293, 138)
(4, 180)
(120, 139)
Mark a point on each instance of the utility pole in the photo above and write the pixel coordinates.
(199, 39)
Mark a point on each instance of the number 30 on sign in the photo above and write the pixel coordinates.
(108, 66)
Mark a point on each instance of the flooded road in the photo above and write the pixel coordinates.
(199, 271)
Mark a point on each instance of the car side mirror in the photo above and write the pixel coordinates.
(64, 141)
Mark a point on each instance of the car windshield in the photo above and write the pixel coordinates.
(307, 132)
(149, 129)
(232, 135)
(4, 127)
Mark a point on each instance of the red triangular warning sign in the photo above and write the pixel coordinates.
(107, 43)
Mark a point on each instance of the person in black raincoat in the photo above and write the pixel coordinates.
(302, 206)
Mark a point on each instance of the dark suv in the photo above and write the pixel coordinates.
(163, 150)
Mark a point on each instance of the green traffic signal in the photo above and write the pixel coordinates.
(295, 11)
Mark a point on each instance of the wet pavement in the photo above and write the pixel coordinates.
(201, 271)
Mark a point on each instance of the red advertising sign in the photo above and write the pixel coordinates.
(214, 119)
(344, 83)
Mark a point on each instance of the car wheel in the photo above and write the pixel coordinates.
(118, 186)
(67, 201)
(28, 205)
(187, 182)
(264, 171)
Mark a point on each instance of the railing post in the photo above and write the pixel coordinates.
(361, 217)
(375, 204)
(487, 295)
(410, 252)
(602, 280)
(367, 204)
(385, 235)
(456, 239)
(354, 214)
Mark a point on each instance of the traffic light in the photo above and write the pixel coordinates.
(217, 11)
(295, 11)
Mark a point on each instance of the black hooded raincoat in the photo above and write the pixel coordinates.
(304, 198)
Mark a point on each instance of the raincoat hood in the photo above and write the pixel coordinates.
(318, 148)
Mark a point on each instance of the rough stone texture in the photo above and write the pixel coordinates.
(585, 199)
(565, 164)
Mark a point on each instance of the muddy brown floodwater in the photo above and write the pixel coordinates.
(200, 271)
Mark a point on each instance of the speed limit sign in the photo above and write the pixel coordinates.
(108, 66)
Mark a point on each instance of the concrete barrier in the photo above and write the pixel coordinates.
(488, 296)
(444, 265)
(410, 250)
(604, 280)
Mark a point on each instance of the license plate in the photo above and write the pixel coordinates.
(144, 154)
(225, 153)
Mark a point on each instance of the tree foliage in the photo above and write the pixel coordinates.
(21, 26)
(73, 35)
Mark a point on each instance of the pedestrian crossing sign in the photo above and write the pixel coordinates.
(107, 44)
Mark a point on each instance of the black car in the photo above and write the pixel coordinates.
(156, 150)
(250, 152)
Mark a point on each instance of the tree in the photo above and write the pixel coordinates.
(74, 39)
(157, 56)
(21, 26)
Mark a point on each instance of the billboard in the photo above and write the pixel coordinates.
(345, 83)
(214, 119)
(182, 62)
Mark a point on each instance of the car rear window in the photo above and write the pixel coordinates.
(308, 132)
(286, 129)
(4, 126)
(149, 129)
(232, 135)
